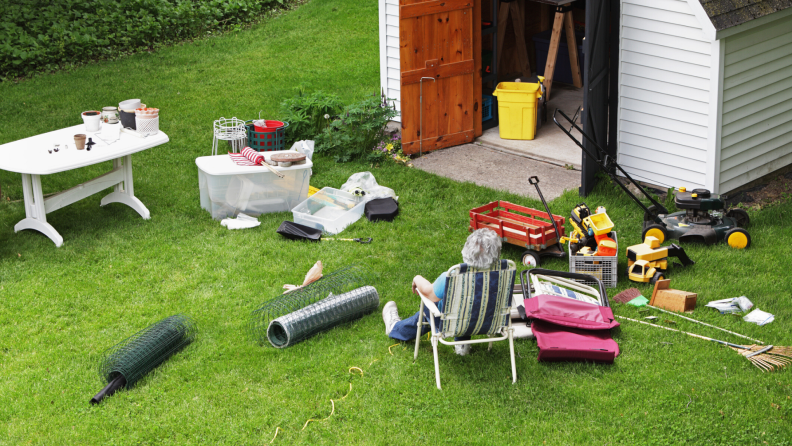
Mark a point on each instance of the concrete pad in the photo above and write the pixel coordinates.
(498, 170)
(551, 144)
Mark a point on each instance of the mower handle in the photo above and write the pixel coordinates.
(608, 164)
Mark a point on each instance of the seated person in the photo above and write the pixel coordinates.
(481, 251)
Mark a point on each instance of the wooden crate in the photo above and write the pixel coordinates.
(672, 300)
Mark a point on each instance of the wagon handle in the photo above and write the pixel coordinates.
(535, 181)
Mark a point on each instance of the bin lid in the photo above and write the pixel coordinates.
(224, 165)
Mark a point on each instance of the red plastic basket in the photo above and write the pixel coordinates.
(271, 126)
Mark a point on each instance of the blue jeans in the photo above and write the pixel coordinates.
(405, 329)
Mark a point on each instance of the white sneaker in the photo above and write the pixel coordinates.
(390, 314)
(462, 350)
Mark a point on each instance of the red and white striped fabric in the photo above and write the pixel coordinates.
(248, 157)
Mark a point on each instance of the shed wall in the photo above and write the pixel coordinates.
(756, 132)
(664, 93)
(390, 67)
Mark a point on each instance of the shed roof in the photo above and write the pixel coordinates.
(728, 13)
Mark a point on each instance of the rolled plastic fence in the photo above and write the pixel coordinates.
(327, 313)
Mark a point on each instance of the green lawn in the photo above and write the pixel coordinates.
(116, 273)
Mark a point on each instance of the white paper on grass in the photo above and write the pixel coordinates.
(759, 317)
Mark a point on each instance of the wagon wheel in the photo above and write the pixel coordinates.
(530, 259)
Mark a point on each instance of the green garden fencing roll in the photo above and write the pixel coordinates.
(129, 360)
(336, 309)
(337, 282)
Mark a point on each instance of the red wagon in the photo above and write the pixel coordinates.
(521, 226)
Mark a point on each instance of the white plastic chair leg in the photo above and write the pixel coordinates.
(436, 363)
(418, 331)
(511, 353)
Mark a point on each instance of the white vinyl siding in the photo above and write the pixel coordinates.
(390, 68)
(664, 93)
(756, 133)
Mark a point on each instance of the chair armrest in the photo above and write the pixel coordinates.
(431, 306)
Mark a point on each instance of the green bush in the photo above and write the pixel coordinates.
(43, 36)
(357, 131)
(308, 115)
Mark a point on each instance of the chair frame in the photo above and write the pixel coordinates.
(507, 332)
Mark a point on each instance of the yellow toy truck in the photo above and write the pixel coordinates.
(648, 261)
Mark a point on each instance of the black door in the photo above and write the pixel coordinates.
(601, 36)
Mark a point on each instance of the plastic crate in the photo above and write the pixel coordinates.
(266, 141)
(603, 268)
(486, 108)
(330, 210)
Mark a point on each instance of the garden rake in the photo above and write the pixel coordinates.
(767, 358)
(129, 360)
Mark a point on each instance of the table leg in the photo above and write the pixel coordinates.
(36, 215)
(552, 53)
(574, 63)
(127, 195)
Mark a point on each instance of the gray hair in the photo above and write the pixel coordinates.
(482, 249)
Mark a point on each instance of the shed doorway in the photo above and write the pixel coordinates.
(516, 43)
(439, 58)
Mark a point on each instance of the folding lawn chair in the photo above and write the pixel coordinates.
(476, 302)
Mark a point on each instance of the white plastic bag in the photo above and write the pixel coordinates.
(242, 221)
(305, 147)
(364, 184)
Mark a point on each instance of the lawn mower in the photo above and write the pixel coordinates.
(702, 219)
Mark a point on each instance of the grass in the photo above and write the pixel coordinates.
(116, 273)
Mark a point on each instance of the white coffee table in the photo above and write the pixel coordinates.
(31, 158)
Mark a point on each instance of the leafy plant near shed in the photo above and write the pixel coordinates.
(358, 130)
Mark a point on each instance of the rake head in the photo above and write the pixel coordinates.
(767, 358)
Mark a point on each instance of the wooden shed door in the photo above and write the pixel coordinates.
(440, 56)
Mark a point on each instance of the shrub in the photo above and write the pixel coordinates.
(44, 36)
(308, 115)
(357, 131)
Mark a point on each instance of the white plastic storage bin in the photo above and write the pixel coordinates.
(602, 267)
(227, 189)
(330, 210)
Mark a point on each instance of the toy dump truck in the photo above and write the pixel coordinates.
(648, 261)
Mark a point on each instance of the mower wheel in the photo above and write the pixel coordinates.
(649, 216)
(657, 231)
(738, 238)
(740, 217)
(656, 277)
(530, 259)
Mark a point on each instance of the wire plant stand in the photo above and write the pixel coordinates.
(232, 130)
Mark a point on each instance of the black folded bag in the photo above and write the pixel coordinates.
(296, 231)
(382, 209)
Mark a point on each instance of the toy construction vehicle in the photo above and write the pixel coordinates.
(591, 233)
(702, 220)
(648, 261)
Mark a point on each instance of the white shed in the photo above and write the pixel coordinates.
(705, 91)
(390, 70)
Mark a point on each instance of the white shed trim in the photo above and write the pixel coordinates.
(390, 64)
(712, 181)
(703, 18)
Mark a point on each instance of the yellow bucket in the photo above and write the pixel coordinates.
(517, 109)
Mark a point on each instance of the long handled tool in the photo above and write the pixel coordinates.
(359, 240)
(767, 358)
(129, 360)
(631, 293)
